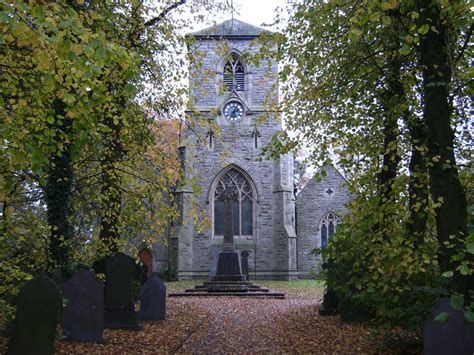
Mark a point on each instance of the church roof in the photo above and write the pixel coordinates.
(232, 29)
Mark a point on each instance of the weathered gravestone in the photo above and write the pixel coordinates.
(83, 315)
(454, 336)
(37, 313)
(330, 301)
(153, 299)
(244, 254)
(215, 250)
(119, 308)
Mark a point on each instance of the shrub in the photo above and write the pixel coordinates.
(388, 281)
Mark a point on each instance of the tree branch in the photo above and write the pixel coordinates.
(465, 44)
(165, 12)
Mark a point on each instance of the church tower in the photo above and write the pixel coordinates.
(233, 121)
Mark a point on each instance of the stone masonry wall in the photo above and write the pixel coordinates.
(312, 204)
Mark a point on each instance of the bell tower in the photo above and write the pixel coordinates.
(231, 100)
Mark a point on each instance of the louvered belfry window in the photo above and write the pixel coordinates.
(234, 74)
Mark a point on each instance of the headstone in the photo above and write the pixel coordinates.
(153, 299)
(119, 308)
(244, 254)
(37, 313)
(82, 319)
(215, 250)
(330, 303)
(453, 336)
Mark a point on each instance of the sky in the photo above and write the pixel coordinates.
(255, 12)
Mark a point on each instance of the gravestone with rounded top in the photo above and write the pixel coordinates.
(82, 319)
(119, 308)
(37, 313)
(153, 299)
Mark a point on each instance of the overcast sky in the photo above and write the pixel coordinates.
(255, 12)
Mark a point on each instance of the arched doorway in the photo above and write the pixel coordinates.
(147, 259)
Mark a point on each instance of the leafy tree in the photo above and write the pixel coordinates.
(439, 26)
(353, 90)
(88, 88)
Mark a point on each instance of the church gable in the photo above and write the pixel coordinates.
(320, 206)
(328, 187)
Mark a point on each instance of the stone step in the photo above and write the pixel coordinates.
(258, 290)
(228, 282)
(276, 295)
(250, 287)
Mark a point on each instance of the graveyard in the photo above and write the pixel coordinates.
(174, 179)
(232, 324)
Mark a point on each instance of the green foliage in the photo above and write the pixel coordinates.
(352, 93)
(112, 68)
(387, 281)
(463, 265)
(169, 271)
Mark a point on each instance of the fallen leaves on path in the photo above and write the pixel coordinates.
(228, 324)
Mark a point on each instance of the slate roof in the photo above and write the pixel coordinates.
(232, 29)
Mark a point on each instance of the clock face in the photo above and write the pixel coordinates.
(233, 111)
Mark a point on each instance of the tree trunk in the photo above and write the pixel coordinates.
(391, 100)
(111, 194)
(418, 182)
(58, 191)
(446, 189)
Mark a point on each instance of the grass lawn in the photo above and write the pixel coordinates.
(308, 288)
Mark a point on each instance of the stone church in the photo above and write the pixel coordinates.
(278, 229)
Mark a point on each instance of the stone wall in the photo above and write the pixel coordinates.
(312, 204)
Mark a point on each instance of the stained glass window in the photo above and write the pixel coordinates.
(242, 209)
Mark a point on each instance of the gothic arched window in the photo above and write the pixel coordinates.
(234, 74)
(242, 209)
(328, 228)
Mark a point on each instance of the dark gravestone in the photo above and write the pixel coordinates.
(37, 313)
(454, 336)
(153, 299)
(244, 254)
(330, 301)
(83, 315)
(119, 308)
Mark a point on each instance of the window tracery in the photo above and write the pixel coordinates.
(328, 228)
(242, 209)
